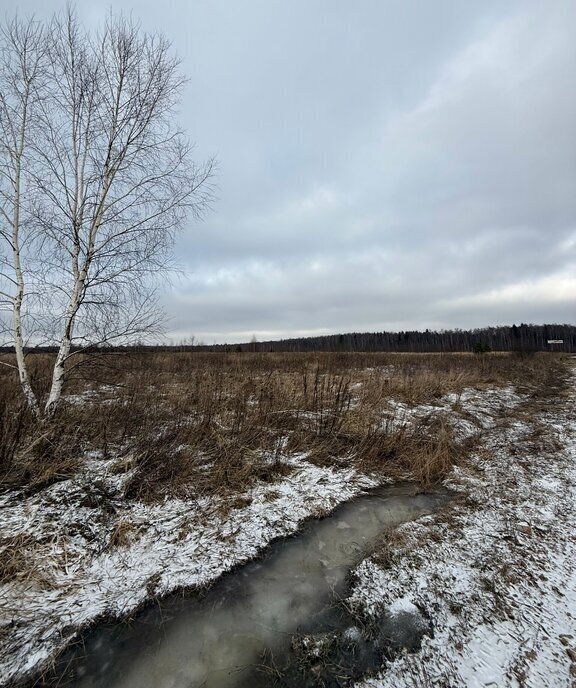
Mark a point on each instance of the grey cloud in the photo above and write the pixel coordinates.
(382, 165)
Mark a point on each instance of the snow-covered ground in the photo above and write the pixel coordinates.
(78, 576)
(496, 572)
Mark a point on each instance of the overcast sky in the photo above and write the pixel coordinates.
(383, 165)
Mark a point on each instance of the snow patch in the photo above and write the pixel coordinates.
(498, 580)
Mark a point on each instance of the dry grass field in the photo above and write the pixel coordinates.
(196, 424)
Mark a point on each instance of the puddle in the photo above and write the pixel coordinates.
(259, 625)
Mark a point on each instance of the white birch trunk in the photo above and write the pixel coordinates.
(19, 296)
(65, 344)
(18, 341)
(77, 295)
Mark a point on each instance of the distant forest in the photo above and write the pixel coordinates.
(521, 338)
(524, 338)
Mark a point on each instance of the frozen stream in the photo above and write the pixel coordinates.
(246, 623)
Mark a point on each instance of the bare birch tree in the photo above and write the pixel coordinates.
(96, 180)
(22, 86)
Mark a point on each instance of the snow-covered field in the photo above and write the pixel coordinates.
(496, 573)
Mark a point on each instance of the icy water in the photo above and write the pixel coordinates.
(249, 629)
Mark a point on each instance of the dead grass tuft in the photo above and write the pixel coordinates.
(48, 456)
(123, 534)
(19, 561)
(390, 548)
(14, 561)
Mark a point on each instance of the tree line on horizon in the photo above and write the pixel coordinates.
(523, 338)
